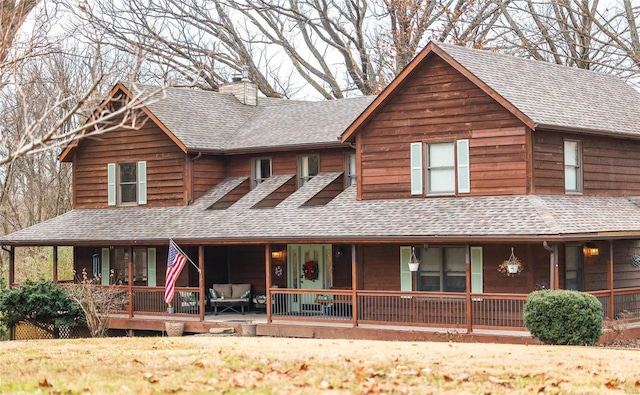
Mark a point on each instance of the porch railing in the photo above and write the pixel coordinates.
(150, 300)
(315, 305)
(412, 308)
(434, 309)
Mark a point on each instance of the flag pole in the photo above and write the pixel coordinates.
(185, 255)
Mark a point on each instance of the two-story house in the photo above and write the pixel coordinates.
(495, 175)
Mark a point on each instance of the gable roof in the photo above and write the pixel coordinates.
(542, 95)
(199, 120)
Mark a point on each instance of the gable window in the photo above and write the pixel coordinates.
(441, 177)
(261, 170)
(351, 169)
(127, 183)
(308, 167)
(447, 168)
(572, 166)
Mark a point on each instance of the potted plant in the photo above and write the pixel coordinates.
(414, 263)
(512, 266)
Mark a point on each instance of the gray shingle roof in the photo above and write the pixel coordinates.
(206, 120)
(299, 123)
(533, 217)
(553, 95)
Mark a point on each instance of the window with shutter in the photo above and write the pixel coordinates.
(127, 183)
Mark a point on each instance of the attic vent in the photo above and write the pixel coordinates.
(236, 77)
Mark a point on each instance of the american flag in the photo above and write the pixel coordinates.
(175, 263)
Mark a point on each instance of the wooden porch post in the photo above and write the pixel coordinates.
(467, 259)
(354, 286)
(610, 281)
(55, 264)
(267, 266)
(130, 263)
(201, 281)
(553, 264)
(12, 266)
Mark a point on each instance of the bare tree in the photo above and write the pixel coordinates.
(588, 34)
(335, 47)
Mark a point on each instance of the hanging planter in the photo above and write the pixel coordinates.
(512, 266)
(413, 263)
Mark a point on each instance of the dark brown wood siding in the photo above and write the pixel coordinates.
(208, 171)
(165, 166)
(611, 167)
(381, 267)
(331, 160)
(247, 265)
(439, 104)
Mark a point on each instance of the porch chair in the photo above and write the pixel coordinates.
(234, 297)
(187, 303)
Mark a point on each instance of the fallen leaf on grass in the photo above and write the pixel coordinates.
(150, 377)
(45, 383)
(611, 384)
(199, 364)
(303, 367)
(497, 381)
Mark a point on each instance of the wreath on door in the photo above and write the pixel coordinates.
(310, 270)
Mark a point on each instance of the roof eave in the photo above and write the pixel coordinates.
(595, 132)
(288, 147)
(433, 239)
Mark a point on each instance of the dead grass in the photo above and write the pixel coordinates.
(256, 365)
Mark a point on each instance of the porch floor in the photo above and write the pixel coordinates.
(318, 329)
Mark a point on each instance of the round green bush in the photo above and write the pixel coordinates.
(563, 317)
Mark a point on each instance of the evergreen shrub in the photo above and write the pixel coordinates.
(563, 317)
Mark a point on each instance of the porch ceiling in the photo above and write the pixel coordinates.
(345, 219)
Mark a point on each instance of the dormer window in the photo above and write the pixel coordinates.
(572, 166)
(127, 183)
(261, 171)
(308, 167)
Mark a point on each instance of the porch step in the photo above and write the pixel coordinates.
(222, 331)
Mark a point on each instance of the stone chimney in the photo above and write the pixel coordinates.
(242, 88)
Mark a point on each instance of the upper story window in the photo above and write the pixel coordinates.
(308, 167)
(261, 170)
(127, 183)
(447, 168)
(350, 168)
(572, 166)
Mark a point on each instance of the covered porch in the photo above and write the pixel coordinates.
(365, 286)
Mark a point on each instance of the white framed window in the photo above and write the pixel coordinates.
(261, 171)
(441, 176)
(143, 265)
(127, 183)
(442, 269)
(308, 167)
(572, 166)
(447, 168)
(350, 167)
